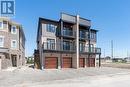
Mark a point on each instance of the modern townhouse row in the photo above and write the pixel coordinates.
(12, 44)
(67, 43)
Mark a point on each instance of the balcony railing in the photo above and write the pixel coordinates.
(68, 33)
(71, 48)
(91, 50)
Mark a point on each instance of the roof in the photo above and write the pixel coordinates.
(41, 18)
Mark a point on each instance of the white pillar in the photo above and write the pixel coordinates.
(77, 41)
(0, 63)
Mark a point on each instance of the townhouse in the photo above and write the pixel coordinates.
(67, 43)
(12, 43)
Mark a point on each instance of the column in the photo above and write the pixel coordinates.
(77, 41)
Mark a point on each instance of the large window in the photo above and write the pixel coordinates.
(13, 44)
(67, 45)
(1, 41)
(82, 34)
(51, 44)
(93, 35)
(81, 47)
(13, 30)
(51, 28)
(1, 25)
(67, 31)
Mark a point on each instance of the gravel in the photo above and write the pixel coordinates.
(28, 77)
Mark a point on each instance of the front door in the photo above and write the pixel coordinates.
(14, 60)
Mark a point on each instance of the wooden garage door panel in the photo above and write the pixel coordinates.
(92, 62)
(81, 62)
(51, 63)
(67, 62)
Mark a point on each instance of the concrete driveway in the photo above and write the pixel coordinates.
(90, 77)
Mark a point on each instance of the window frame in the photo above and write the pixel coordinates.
(51, 28)
(67, 45)
(2, 42)
(1, 25)
(12, 44)
(12, 29)
(51, 44)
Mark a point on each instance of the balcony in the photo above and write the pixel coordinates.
(60, 47)
(91, 50)
(68, 33)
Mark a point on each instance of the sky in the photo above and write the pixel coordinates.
(110, 17)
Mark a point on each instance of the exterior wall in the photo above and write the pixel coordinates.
(65, 19)
(5, 61)
(19, 51)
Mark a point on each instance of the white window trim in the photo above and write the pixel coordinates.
(12, 44)
(3, 41)
(2, 25)
(12, 29)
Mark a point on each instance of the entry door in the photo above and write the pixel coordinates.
(14, 60)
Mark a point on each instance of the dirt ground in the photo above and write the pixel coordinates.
(117, 65)
(90, 77)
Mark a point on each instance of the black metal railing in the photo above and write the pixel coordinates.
(69, 48)
(92, 50)
(67, 33)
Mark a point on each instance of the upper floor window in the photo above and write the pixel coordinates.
(13, 44)
(1, 24)
(13, 30)
(51, 44)
(67, 31)
(82, 34)
(67, 45)
(51, 28)
(93, 35)
(81, 47)
(1, 41)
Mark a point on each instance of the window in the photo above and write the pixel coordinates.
(82, 34)
(81, 47)
(1, 41)
(66, 45)
(13, 44)
(1, 25)
(67, 31)
(93, 35)
(51, 44)
(51, 28)
(13, 30)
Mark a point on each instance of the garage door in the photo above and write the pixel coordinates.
(51, 63)
(81, 62)
(67, 62)
(92, 62)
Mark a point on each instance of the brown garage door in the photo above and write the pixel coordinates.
(92, 62)
(81, 62)
(51, 63)
(67, 62)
